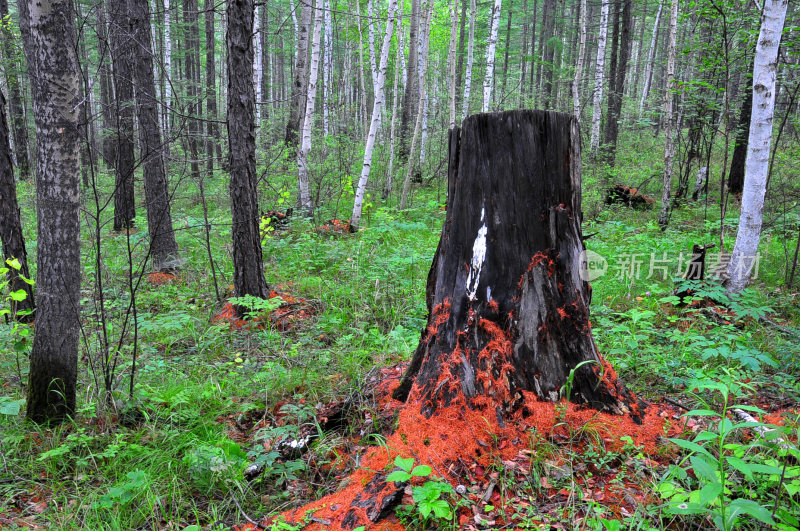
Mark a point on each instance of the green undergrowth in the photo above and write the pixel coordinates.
(172, 454)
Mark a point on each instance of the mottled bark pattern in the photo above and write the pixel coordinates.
(163, 247)
(15, 109)
(297, 104)
(10, 224)
(248, 267)
(49, 42)
(509, 310)
(125, 165)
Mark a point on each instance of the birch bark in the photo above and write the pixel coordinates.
(648, 69)
(765, 64)
(576, 82)
(308, 120)
(491, 48)
(669, 116)
(597, 94)
(377, 108)
(470, 58)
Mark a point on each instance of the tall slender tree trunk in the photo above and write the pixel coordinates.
(534, 69)
(412, 88)
(491, 47)
(49, 43)
(191, 77)
(377, 109)
(167, 68)
(634, 87)
(548, 52)
(617, 88)
(122, 55)
(371, 33)
(505, 55)
(327, 71)
(248, 265)
(308, 122)
(15, 109)
(387, 188)
(524, 58)
(451, 65)
(425, 28)
(669, 118)
(460, 67)
(212, 129)
(263, 34)
(599, 71)
(648, 70)
(109, 128)
(736, 175)
(11, 225)
(363, 100)
(299, 86)
(765, 65)
(576, 82)
(163, 247)
(470, 58)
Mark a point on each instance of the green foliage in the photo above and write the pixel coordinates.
(431, 498)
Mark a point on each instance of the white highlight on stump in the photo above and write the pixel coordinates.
(478, 257)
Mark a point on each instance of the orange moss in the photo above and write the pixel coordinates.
(159, 278)
(287, 316)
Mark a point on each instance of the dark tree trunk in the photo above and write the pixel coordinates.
(108, 135)
(534, 63)
(191, 72)
(736, 176)
(213, 146)
(10, 223)
(508, 308)
(15, 109)
(122, 55)
(408, 115)
(542, 66)
(49, 42)
(460, 64)
(297, 105)
(88, 144)
(248, 267)
(619, 66)
(163, 247)
(505, 57)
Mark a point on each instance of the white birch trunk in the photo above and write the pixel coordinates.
(296, 31)
(377, 108)
(387, 189)
(599, 72)
(648, 69)
(576, 82)
(167, 65)
(363, 100)
(259, 65)
(470, 58)
(669, 117)
(308, 121)
(327, 69)
(371, 32)
(451, 63)
(491, 47)
(756, 164)
(425, 28)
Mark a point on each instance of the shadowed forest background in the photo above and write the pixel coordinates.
(218, 221)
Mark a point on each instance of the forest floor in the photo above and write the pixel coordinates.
(212, 397)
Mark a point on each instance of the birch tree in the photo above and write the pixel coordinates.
(377, 109)
(451, 64)
(167, 66)
(470, 58)
(669, 117)
(599, 71)
(491, 47)
(576, 81)
(259, 65)
(327, 70)
(308, 120)
(299, 87)
(387, 189)
(648, 69)
(757, 162)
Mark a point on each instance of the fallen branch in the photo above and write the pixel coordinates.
(760, 429)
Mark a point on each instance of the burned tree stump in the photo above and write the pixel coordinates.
(508, 303)
(625, 195)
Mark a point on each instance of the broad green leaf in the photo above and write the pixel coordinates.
(704, 468)
(10, 407)
(421, 470)
(741, 466)
(691, 446)
(18, 295)
(14, 263)
(749, 507)
(701, 413)
(398, 476)
(405, 464)
(709, 493)
(441, 509)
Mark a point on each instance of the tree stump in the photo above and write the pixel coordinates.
(507, 300)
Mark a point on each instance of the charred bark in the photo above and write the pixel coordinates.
(10, 223)
(736, 175)
(248, 266)
(508, 306)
